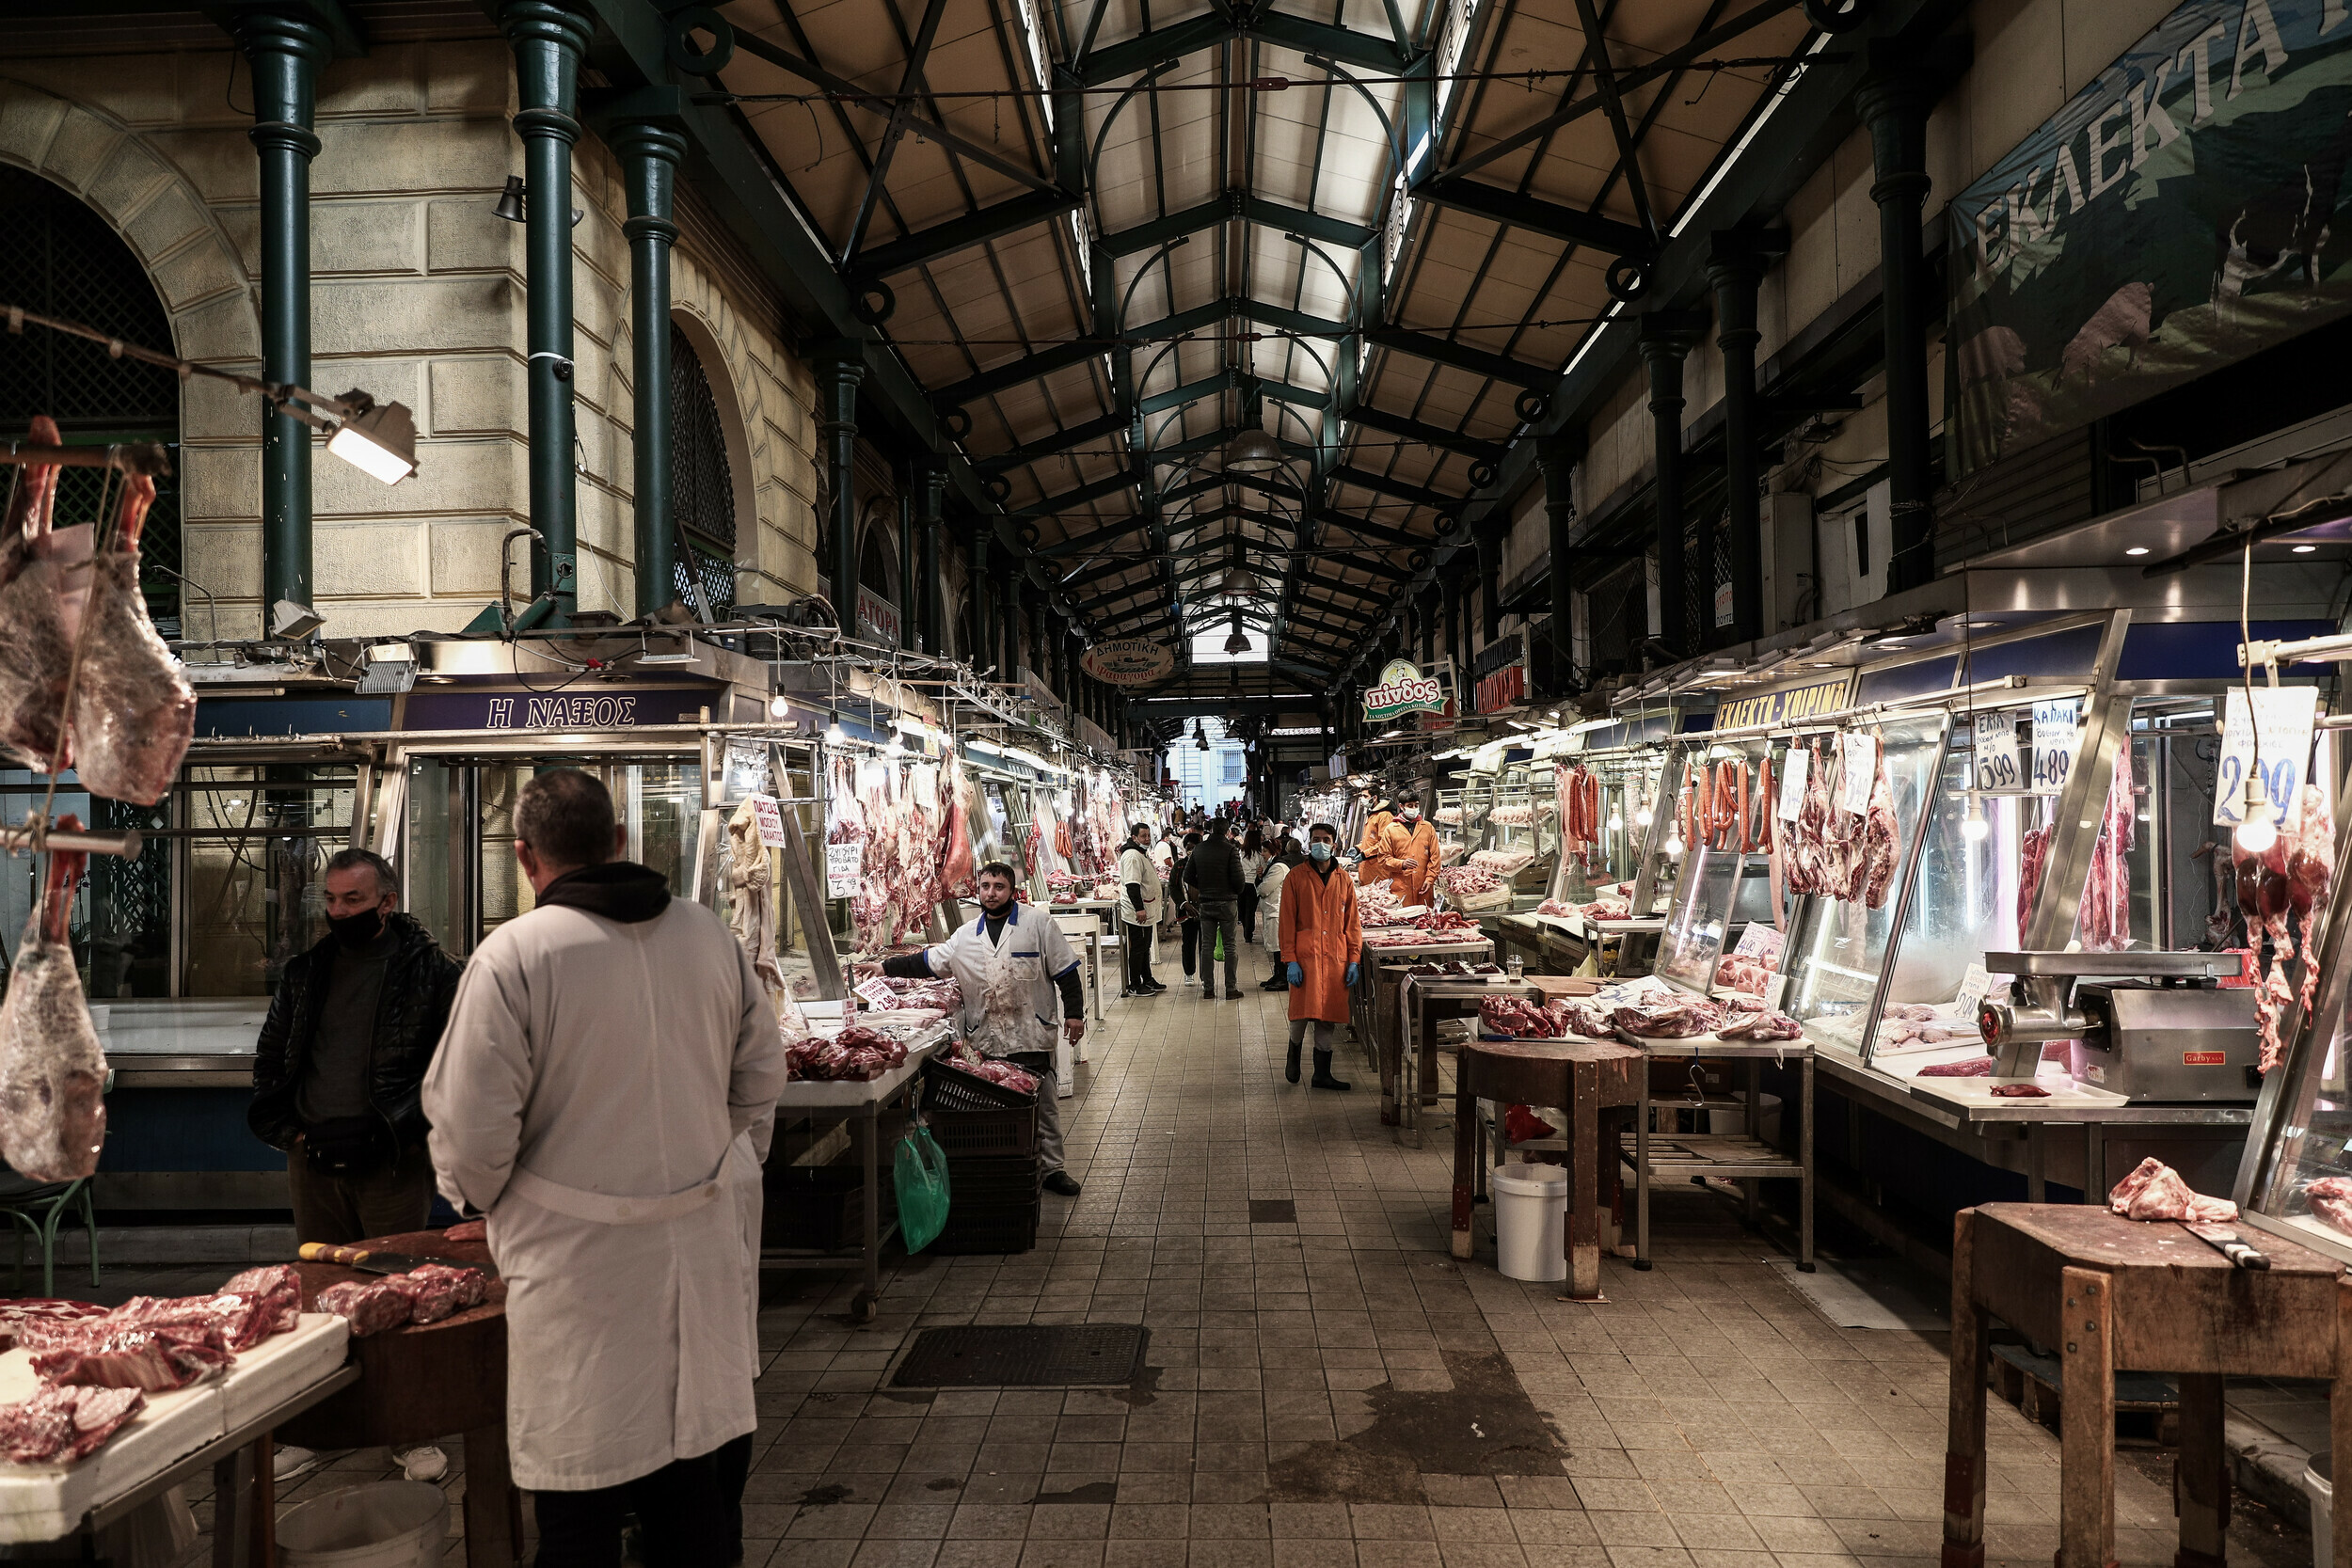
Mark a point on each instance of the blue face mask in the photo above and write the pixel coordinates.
(1318, 851)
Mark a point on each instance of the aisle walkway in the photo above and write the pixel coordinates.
(1332, 1390)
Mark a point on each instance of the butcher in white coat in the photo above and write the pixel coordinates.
(606, 1051)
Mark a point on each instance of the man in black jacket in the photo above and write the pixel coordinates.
(339, 1066)
(1213, 875)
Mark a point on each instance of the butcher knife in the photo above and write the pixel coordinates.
(373, 1261)
(2228, 1243)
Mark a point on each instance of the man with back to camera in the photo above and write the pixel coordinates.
(1214, 874)
(1140, 914)
(1321, 936)
(1009, 970)
(607, 1052)
(337, 1074)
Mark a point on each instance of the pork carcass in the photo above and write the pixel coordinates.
(2155, 1191)
(133, 712)
(35, 629)
(51, 1067)
(2033, 859)
(59, 1425)
(1874, 873)
(2106, 924)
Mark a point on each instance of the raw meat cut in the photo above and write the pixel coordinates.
(1523, 1126)
(886, 992)
(1873, 874)
(1504, 863)
(995, 1069)
(857, 1054)
(1767, 1024)
(1917, 1012)
(2155, 1191)
(109, 1354)
(16, 1314)
(133, 712)
(2311, 869)
(468, 1231)
(36, 633)
(1739, 973)
(370, 1307)
(51, 1067)
(59, 1425)
(2331, 1201)
(1674, 1020)
(1469, 881)
(2019, 1091)
(2034, 858)
(435, 1290)
(1974, 1067)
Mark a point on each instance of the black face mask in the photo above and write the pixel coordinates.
(355, 931)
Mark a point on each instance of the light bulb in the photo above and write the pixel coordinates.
(779, 707)
(2257, 833)
(1975, 827)
(1617, 823)
(1673, 845)
(836, 735)
(1642, 818)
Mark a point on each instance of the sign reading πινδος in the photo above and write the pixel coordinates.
(2171, 218)
(1402, 690)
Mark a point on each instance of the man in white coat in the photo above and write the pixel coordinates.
(1139, 911)
(604, 1054)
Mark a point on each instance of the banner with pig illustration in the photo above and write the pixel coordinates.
(2181, 213)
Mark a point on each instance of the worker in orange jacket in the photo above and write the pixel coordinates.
(1321, 938)
(1374, 846)
(1409, 855)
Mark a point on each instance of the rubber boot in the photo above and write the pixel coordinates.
(1291, 1070)
(1322, 1074)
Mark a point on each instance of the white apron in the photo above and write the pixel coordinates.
(1007, 1021)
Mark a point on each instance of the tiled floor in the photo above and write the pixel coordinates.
(1337, 1391)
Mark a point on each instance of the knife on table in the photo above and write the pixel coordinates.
(375, 1261)
(2227, 1241)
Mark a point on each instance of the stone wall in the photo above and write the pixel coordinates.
(417, 296)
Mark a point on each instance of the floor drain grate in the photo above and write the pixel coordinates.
(1032, 1355)
(1273, 1210)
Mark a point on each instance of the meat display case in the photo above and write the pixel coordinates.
(1718, 892)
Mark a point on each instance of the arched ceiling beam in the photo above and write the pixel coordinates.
(1101, 489)
(1234, 204)
(1495, 367)
(973, 228)
(1537, 216)
(1396, 488)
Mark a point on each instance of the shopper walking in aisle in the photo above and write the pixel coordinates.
(339, 1071)
(1254, 860)
(1188, 907)
(606, 1054)
(1139, 913)
(1270, 908)
(1213, 873)
(1322, 935)
(1010, 969)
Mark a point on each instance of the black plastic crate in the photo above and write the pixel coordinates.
(989, 1230)
(822, 1206)
(985, 1134)
(949, 1087)
(992, 1183)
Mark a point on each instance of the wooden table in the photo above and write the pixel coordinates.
(2111, 1292)
(1591, 1081)
(424, 1382)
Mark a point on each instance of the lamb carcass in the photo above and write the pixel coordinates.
(36, 632)
(2106, 907)
(2155, 1191)
(133, 712)
(2311, 868)
(1874, 873)
(52, 1068)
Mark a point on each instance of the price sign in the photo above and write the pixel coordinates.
(1775, 989)
(1974, 986)
(1760, 942)
(2285, 715)
(2054, 734)
(1792, 783)
(770, 817)
(1999, 766)
(876, 991)
(844, 865)
(1861, 752)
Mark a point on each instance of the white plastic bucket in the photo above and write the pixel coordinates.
(386, 1524)
(1532, 1221)
(2319, 1485)
(1730, 1119)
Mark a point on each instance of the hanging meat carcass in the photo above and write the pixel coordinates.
(133, 712)
(956, 864)
(2034, 858)
(2311, 869)
(35, 629)
(51, 1067)
(2106, 907)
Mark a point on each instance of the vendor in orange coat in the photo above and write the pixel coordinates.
(1321, 938)
(1374, 846)
(1409, 855)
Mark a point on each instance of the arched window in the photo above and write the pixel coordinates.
(59, 258)
(702, 485)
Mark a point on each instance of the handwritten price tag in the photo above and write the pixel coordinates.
(1997, 766)
(844, 864)
(1861, 751)
(2055, 735)
(770, 817)
(2285, 715)
(1792, 783)
(1760, 942)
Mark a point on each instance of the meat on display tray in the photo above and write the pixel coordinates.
(820, 1094)
(46, 1502)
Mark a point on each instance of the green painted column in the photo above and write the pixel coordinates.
(286, 51)
(649, 156)
(548, 42)
(840, 371)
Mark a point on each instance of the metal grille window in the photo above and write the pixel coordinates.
(702, 485)
(58, 257)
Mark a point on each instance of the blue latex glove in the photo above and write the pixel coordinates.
(1351, 977)
(1298, 976)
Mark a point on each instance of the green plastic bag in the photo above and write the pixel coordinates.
(1219, 955)
(920, 1171)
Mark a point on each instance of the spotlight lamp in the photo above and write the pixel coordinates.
(510, 203)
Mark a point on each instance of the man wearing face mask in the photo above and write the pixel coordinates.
(1321, 935)
(1410, 854)
(340, 1065)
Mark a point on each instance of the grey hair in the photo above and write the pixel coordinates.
(387, 879)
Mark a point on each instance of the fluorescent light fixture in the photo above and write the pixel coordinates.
(379, 440)
(2305, 549)
(2137, 549)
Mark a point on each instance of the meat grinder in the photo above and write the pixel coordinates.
(2154, 1026)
